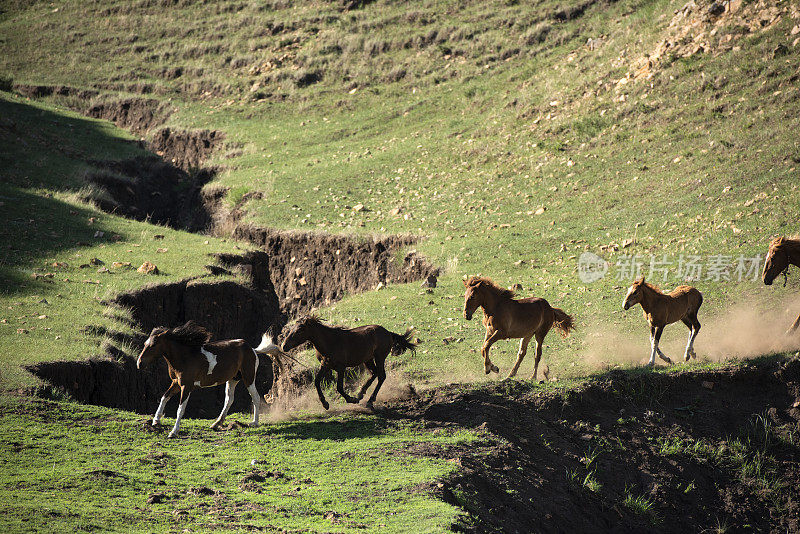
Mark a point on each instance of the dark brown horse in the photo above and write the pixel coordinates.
(339, 348)
(196, 362)
(662, 309)
(783, 252)
(507, 318)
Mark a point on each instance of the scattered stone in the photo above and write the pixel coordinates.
(359, 207)
(780, 50)
(539, 211)
(156, 498)
(96, 261)
(148, 268)
(716, 9)
(430, 281)
(23, 331)
(99, 234)
(708, 385)
(396, 211)
(516, 287)
(120, 264)
(380, 286)
(158, 236)
(161, 250)
(628, 242)
(102, 270)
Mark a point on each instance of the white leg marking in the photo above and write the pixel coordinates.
(653, 350)
(230, 388)
(212, 360)
(256, 402)
(181, 409)
(160, 411)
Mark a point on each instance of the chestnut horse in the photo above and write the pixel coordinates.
(338, 348)
(661, 309)
(782, 253)
(195, 362)
(507, 318)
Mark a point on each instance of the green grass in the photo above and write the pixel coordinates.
(467, 116)
(345, 473)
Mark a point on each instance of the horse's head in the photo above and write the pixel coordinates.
(634, 295)
(777, 261)
(153, 347)
(472, 296)
(299, 334)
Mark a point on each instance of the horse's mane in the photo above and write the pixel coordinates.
(312, 318)
(190, 334)
(640, 282)
(501, 291)
(790, 243)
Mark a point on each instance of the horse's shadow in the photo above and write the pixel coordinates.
(330, 429)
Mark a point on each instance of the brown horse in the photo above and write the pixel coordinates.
(507, 318)
(783, 252)
(195, 362)
(338, 348)
(661, 309)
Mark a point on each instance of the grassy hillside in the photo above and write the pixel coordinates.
(510, 137)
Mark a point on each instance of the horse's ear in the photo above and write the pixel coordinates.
(465, 281)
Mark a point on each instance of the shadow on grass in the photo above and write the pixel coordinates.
(331, 430)
(35, 228)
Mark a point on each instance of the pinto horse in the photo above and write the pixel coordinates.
(661, 309)
(338, 348)
(507, 318)
(782, 253)
(196, 362)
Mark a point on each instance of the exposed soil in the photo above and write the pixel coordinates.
(41, 91)
(528, 473)
(229, 309)
(138, 115)
(185, 149)
(149, 188)
(315, 269)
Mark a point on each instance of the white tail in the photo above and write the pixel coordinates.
(268, 346)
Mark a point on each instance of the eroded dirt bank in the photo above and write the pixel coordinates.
(707, 450)
(315, 269)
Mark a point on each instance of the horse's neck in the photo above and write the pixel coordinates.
(174, 357)
(649, 298)
(793, 253)
(490, 302)
(322, 337)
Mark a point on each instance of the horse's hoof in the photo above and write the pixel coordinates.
(172, 435)
(253, 424)
(156, 423)
(495, 369)
(326, 405)
(216, 426)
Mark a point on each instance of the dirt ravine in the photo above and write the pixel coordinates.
(709, 450)
(295, 273)
(245, 308)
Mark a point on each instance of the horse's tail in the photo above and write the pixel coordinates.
(402, 343)
(268, 346)
(563, 321)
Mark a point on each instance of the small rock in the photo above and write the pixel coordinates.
(359, 207)
(716, 9)
(396, 211)
(156, 498)
(626, 243)
(102, 270)
(23, 331)
(96, 261)
(795, 30)
(539, 211)
(708, 385)
(380, 286)
(780, 50)
(118, 264)
(148, 268)
(99, 233)
(161, 250)
(158, 236)
(430, 281)
(516, 287)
